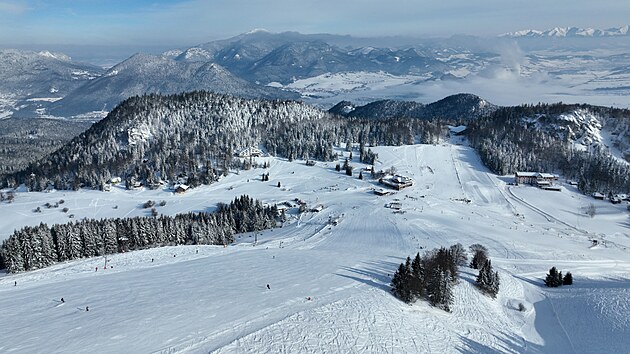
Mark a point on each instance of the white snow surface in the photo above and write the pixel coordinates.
(329, 288)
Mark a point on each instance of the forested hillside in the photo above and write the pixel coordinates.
(543, 138)
(153, 139)
(23, 141)
(156, 139)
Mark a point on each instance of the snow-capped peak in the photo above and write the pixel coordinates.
(58, 56)
(570, 32)
(258, 30)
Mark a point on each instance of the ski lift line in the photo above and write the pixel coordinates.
(548, 216)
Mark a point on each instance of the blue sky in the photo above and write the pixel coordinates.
(181, 23)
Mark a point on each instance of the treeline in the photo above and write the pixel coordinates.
(41, 246)
(534, 138)
(431, 277)
(155, 138)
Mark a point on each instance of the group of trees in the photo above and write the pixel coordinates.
(40, 246)
(155, 138)
(431, 277)
(369, 157)
(555, 279)
(487, 279)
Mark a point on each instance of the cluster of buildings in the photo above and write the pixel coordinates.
(539, 179)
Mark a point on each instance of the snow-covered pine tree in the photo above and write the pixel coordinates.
(488, 279)
(417, 281)
(400, 282)
(552, 280)
(110, 239)
(439, 289)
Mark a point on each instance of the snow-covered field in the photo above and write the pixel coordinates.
(329, 283)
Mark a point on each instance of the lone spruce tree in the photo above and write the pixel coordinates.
(488, 279)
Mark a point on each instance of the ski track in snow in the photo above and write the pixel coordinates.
(329, 284)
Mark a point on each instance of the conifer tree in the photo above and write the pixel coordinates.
(552, 280)
(568, 279)
(439, 289)
(488, 279)
(400, 284)
(417, 281)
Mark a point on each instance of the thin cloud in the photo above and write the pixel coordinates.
(13, 8)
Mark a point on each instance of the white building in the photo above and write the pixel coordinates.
(250, 152)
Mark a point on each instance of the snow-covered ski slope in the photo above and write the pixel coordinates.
(329, 283)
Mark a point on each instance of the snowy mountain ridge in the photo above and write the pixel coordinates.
(570, 32)
(143, 73)
(31, 80)
(460, 106)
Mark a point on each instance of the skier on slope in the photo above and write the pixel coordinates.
(268, 287)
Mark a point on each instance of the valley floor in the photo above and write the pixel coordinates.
(329, 284)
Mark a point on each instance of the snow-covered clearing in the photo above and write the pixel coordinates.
(329, 283)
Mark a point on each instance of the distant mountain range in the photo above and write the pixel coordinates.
(257, 64)
(319, 68)
(265, 57)
(143, 73)
(571, 32)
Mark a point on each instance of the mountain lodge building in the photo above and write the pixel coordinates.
(535, 178)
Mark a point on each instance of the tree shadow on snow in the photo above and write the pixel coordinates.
(537, 282)
(375, 274)
(507, 343)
